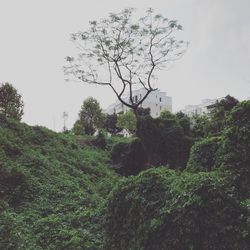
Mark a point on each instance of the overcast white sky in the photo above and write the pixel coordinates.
(34, 40)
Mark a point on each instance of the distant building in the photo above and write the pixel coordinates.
(200, 109)
(156, 101)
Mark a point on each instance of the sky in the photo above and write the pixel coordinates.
(35, 39)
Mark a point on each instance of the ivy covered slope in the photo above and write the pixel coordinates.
(163, 209)
(204, 207)
(51, 190)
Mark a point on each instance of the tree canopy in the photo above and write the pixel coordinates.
(123, 52)
(90, 117)
(11, 103)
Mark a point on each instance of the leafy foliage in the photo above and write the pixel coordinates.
(127, 121)
(234, 152)
(160, 209)
(129, 157)
(185, 122)
(56, 188)
(11, 103)
(219, 111)
(213, 123)
(203, 154)
(52, 189)
(164, 141)
(122, 51)
(90, 117)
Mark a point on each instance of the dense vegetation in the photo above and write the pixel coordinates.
(206, 206)
(161, 209)
(65, 191)
(52, 189)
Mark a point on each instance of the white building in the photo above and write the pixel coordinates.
(156, 101)
(200, 109)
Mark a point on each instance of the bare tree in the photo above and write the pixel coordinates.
(123, 52)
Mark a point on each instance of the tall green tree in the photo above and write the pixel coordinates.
(11, 103)
(213, 123)
(184, 121)
(124, 52)
(91, 117)
(219, 111)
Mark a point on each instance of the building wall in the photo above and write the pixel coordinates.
(200, 109)
(157, 101)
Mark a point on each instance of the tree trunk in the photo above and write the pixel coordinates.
(135, 110)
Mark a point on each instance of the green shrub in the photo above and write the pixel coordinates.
(160, 209)
(233, 154)
(203, 154)
(129, 158)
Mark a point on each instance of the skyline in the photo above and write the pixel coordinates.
(35, 40)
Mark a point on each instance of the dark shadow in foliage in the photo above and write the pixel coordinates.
(110, 124)
(129, 158)
(143, 111)
(100, 140)
(160, 209)
(14, 185)
(165, 141)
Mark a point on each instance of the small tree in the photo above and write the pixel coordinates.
(90, 116)
(123, 53)
(11, 103)
(219, 111)
(184, 121)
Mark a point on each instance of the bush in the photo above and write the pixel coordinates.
(129, 158)
(160, 209)
(203, 154)
(233, 154)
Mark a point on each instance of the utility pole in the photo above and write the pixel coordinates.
(65, 117)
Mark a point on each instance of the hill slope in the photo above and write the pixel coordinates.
(52, 190)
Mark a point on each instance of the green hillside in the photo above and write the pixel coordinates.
(52, 189)
(60, 191)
